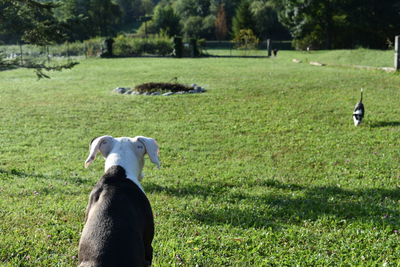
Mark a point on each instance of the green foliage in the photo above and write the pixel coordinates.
(147, 28)
(178, 47)
(193, 26)
(33, 22)
(155, 45)
(246, 40)
(243, 18)
(310, 41)
(94, 46)
(221, 24)
(340, 24)
(266, 21)
(264, 169)
(319, 24)
(189, 8)
(165, 20)
(104, 17)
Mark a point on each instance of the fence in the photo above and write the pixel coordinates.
(94, 47)
(67, 51)
(228, 48)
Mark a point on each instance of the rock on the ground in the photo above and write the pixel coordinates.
(168, 93)
(121, 90)
(318, 64)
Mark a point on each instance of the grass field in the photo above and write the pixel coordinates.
(265, 168)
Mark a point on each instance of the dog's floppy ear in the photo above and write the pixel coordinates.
(101, 144)
(152, 149)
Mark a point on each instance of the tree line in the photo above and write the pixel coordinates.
(320, 24)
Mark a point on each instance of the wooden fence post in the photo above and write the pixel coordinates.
(397, 52)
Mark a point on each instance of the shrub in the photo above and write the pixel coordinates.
(311, 40)
(246, 39)
(124, 46)
(93, 46)
(155, 45)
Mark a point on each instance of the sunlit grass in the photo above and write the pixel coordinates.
(265, 168)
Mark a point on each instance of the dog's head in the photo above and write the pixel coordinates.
(124, 151)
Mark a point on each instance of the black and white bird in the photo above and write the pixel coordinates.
(359, 111)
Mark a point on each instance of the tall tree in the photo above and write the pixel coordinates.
(266, 20)
(243, 18)
(75, 16)
(340, 23)
(33, 23)
(229, 6)
(104, 17)
(147, 6)
(166, 19)
(188, 8)
(193, 26)
(37, 26)
(221, 24)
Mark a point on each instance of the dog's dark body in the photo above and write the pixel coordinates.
(359, 111)
(119, 225)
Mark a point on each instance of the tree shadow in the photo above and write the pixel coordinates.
(235, 56)
(20, 174)
(380, 124)
(280, 208)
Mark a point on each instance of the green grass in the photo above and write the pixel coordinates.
(362, 57)
(343, 58)
(265, 168)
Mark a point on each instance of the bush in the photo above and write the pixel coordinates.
(156, 45)
(312, 41)
(246, 39)
(93, 46)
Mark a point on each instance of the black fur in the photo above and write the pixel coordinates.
(119, 225)
(359, 109)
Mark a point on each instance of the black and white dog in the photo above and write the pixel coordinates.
(359, 111)
(119, 225)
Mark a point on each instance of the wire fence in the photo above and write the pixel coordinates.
(94, 48)
(34, 53)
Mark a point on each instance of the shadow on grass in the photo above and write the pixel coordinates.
(236, 56)
(15, 173)
(281, 207)
(380, 124)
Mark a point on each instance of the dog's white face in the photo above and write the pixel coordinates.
(125, 151)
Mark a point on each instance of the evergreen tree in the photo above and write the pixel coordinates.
(243, 18)
(36, 24)
(104, 17)
(266, 20)
(75, 16)
(340, 23)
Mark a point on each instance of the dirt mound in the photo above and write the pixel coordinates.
(163, 87)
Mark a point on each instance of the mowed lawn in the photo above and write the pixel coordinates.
(265, 168)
